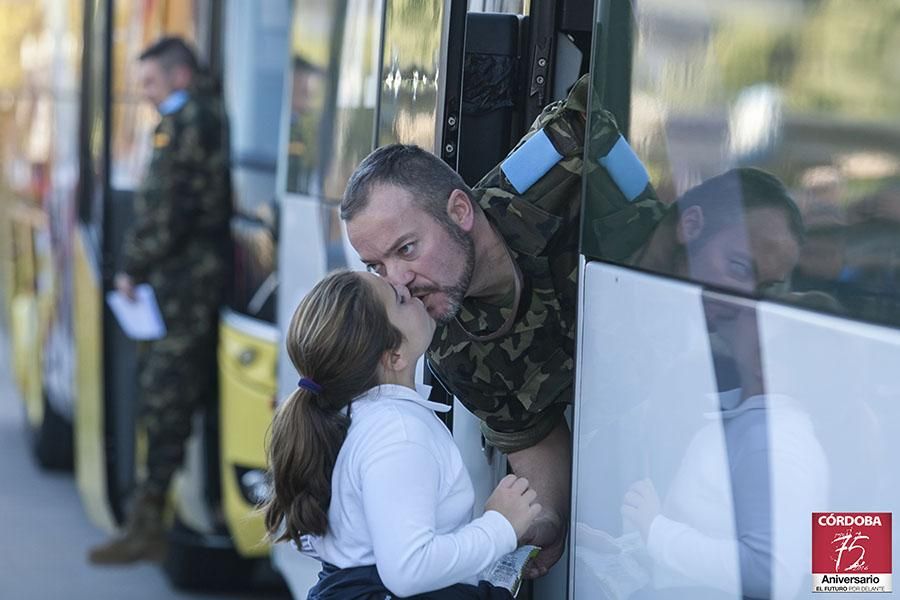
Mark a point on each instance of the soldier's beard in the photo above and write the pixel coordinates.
(455, 293)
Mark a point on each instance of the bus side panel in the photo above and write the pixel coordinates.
(90, 450)
(842, 376)
(735, 475)
(646, 382)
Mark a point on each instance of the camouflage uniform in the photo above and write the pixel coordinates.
(178, 244)
(520, 383)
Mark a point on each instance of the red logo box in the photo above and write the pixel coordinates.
(851, 552)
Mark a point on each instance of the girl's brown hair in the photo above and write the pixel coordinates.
(337, 337)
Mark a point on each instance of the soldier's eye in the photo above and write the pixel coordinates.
(374, 268)
(406, 249)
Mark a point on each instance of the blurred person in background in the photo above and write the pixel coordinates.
(177, 243)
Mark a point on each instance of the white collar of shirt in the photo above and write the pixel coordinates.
(173, 102)
(401, 392)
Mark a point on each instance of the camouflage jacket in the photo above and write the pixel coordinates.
(178, 240)
(520, 383)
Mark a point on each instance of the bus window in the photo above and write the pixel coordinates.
(254, 84)
(334, 66)
(409, 89)
(774, 88)
(721, 401)
(136, 26)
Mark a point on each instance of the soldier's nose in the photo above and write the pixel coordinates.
(400, 276)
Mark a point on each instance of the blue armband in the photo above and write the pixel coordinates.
(530, 162)
(626, 169)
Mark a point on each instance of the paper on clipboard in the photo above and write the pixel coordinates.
(140, 319)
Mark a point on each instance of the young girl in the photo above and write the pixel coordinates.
(366, 477)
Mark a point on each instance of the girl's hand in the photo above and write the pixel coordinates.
(641, 505)
(513, 499)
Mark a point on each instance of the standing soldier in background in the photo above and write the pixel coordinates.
(178, 243)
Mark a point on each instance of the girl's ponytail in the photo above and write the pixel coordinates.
(304, 444)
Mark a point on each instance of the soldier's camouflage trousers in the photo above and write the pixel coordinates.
(175, 375)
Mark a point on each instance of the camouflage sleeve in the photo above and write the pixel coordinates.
(171, 202)
(513, 441)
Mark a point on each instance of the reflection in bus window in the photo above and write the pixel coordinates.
(307, 88)
(775, 142)
(410, 70)
(334, 83)
(740, 230)
(721, 87)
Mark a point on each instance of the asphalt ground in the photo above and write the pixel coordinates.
(45, 534)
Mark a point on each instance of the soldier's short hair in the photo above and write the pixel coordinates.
(429, 179)
(724, 198)
(171, 52)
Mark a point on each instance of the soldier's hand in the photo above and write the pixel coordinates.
(125, 285)
(548, 532)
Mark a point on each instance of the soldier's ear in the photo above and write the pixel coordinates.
(690, 225)
(460, 210)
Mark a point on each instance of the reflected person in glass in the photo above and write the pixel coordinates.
(757, 461)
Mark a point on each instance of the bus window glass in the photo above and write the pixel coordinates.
(711, 424)
(333, 80)
(784, 89)
(409, 86)
(311, 51)
(136, 26)
(40, 85)
(256, 51)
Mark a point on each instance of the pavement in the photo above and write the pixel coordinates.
(45, 534)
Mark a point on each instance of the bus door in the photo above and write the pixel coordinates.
(738, 340)
(117, 126)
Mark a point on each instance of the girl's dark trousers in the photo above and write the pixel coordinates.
(364, 583)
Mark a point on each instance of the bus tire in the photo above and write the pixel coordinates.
(52, 442)
(197, 561)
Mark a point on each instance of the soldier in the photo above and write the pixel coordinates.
(497, 267)
(178, 243)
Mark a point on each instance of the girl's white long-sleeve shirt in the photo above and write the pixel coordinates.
(402, 499)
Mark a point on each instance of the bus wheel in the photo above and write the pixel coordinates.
(209, 562)
(52, 440)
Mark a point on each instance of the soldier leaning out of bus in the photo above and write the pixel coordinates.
(178, 244)
(497, 268)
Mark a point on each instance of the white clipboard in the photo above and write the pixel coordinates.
(140, 318)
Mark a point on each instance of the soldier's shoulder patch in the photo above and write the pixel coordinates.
(161, 140)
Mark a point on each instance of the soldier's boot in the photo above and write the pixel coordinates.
(142, 538)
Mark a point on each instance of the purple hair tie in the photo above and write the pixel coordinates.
(309, 384)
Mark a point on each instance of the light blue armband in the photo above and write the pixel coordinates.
(530, 162)
(626, 169)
